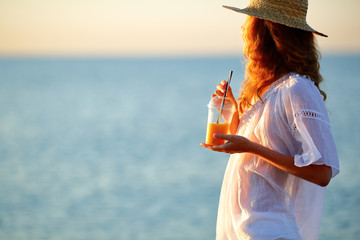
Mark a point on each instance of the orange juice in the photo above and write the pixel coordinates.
(216, 128)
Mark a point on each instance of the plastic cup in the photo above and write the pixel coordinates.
(216, 124)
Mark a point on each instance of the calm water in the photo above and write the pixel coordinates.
(109, 148)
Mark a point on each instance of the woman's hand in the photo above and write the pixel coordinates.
(235, 144)
(220, 91)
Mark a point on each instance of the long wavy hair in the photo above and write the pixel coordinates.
(272, 50)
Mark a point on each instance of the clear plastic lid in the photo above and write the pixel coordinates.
(216, 102)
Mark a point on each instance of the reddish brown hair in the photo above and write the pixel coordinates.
(272, 50)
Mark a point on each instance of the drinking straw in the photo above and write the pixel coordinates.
(223, 100)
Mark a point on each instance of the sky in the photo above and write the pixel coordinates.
(153, 28)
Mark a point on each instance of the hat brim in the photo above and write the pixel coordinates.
(254, 12)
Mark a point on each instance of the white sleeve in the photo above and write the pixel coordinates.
(307, 115)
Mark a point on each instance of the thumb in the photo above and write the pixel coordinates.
(222, 136)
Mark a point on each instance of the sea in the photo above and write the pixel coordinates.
(108, 148)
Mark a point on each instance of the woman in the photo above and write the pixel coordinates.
(283, 152)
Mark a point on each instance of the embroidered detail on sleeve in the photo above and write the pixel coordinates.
(306, 113)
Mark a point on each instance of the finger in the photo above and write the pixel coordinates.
(219, 93)
(206, 146)
(216, 148)
(211, 147)
(221, 148)
(221, 87)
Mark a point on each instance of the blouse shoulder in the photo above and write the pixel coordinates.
(302, 98)
(300, 87)
(296, 82)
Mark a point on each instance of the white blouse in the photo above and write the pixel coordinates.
(259, 201)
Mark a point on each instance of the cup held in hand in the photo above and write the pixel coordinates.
(218, 124)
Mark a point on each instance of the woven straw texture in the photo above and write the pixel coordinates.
(291, 13)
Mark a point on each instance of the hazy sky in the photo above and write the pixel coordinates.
(157, 27)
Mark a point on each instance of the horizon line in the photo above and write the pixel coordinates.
(150, 56)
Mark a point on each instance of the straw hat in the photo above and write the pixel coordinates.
(291, 13)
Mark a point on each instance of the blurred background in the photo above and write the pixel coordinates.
(103, 107)
(152, 28)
